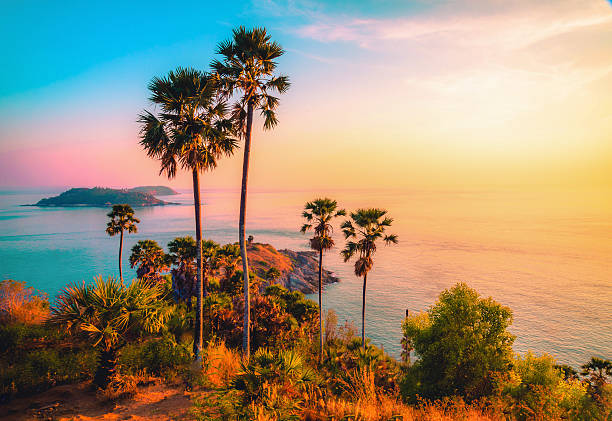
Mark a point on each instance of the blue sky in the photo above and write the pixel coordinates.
(483, 88)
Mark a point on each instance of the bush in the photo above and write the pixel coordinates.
(156, 356)
(461, 343)
(21, 304)
(43, 368)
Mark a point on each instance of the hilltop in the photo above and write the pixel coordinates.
(155, 190)
(100, 196)
(299, 269)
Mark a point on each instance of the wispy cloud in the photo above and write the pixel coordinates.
(507, 28)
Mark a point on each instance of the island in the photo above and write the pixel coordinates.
(101, 197)
(155, 190)
(299, 270)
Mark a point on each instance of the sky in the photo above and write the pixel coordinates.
(385, 94)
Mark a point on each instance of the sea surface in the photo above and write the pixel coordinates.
(548, 256)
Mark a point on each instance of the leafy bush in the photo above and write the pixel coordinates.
(461, 344)
(43, 368)
(156, 356)
(21, 304)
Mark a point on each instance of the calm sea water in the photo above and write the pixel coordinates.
(546, 256)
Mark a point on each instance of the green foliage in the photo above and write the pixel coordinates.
(293, 302)
(108, 314)
(16, 336)
(460, 345)
(121, 219)
(155, 356)
(285, 369)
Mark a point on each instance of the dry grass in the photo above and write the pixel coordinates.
(222, 364)
(21, 304)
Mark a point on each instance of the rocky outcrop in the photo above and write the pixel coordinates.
(305, 274)
(299, 269)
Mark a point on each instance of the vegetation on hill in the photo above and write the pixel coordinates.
(102, 197)
(155, 190)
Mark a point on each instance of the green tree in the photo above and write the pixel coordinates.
(319, 214)
(108, 313)
(461, 343)
(191, 132)
(366, 226)
(150, 259)
(121, 219)
(247, 66)
(597, 373)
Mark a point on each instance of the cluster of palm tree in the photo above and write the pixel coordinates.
(202, 117)
(362, 230)
(197, 126)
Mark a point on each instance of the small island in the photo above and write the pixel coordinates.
(101, 197)
(155, 190)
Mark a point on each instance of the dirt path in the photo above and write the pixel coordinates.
(155, 402)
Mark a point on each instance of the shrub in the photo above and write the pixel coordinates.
(155, 356)
(21, 304)
(43, 368)
(221, 364)
(461, 344)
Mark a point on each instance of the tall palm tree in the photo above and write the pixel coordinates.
(108, 313)
(247, 66)
(150, 259)
(121, 219)
(191, 132)
(366, 226)
(319, 214)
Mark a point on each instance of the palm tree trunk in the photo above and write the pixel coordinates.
(363, 306)
(321, 305)
(199, 328)
(120, 252)
(106, 367)
(246, 335)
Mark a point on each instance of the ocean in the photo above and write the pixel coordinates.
(546, 255)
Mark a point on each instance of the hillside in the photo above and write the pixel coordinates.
(155, 190)
(299, 269)
(99, 196)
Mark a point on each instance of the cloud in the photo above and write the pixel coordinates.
(464, 24)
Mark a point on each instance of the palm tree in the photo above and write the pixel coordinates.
(230, 257)
(248, 65)
(319, 214)
(108, 313)
(182, 254)
(193, 133)
(121, 219)
(150, 259)
(367, 226)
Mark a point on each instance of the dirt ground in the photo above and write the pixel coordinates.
(155, 402)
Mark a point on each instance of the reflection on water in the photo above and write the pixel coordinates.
(547, 256)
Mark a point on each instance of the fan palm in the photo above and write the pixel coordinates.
(150, 259)
(319, 214)
(121, 219)
(108, 313)
(191, 132)
(230, 257)
(247, 66)
(366, 226)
